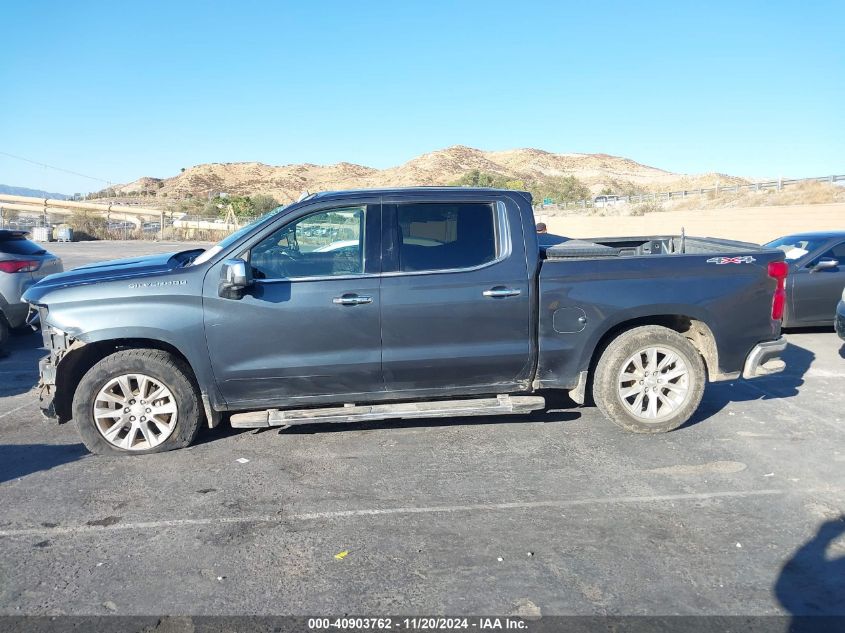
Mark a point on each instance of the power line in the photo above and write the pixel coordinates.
(67, 171)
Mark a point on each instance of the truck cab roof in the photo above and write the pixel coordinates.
(435, 191)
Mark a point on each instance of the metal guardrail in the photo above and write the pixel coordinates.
(34, 205)
(44, 207)
(780, 183)
(120, 218)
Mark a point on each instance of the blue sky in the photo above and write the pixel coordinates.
(119, 90)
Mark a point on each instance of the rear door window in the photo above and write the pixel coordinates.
(444, 236)
(19, 246)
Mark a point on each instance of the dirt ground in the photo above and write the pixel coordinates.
(749, 224)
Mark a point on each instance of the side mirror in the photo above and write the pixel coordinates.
(826, 263)
(235, 276)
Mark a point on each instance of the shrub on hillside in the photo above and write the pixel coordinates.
(558, 188)
(651, 206)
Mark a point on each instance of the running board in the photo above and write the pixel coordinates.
(500, 405)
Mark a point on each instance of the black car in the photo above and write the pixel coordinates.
(816, 276)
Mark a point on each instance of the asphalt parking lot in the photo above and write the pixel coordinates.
(740, 512)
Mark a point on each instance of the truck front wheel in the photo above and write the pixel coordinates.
(136, 401)
(649, 379)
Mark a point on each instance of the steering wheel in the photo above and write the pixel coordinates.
(271, 262)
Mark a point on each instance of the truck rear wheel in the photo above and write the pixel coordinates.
(135, 402)
(649, 379)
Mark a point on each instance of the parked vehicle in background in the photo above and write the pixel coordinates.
(839, 321)
(22, 263)
(816, 277)
(401, 303)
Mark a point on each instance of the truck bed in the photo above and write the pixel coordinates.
(645, 245)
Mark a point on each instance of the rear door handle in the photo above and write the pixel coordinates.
(501, 291)
(352, 300)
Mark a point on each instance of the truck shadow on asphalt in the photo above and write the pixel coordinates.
(20, 460)
(559, 409)
(779, 386)
(19, 364)
(812, 582)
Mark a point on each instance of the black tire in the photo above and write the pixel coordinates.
(22, 330)
(4, 333)
(164, 367)
(606, 392)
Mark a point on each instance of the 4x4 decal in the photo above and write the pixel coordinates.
(745, 259)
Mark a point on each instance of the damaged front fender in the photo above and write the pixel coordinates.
(58, 345)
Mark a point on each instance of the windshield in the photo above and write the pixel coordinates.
(795, 247)
(234, 237)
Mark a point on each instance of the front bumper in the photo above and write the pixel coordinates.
(764, 359)
(839, 321)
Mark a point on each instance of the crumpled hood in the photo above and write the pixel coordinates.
(108, 271)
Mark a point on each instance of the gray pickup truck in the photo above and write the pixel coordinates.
(401, 303)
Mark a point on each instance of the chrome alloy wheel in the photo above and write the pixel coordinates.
(135, 412)
(654, 383)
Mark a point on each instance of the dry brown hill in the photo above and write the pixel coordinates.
(442, 167)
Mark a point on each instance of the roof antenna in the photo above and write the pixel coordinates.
(303, 195)
(683, 240)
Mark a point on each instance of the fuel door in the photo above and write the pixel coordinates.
(569, 320)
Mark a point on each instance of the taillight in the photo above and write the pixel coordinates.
(20, 266)
(779, 271)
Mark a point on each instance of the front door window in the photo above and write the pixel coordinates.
(325, 244)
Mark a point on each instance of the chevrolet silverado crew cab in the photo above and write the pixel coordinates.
(401, 303)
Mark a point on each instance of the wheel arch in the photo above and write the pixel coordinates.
(694, 329)
(82, 356)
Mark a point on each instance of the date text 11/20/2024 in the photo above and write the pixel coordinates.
(418, 623)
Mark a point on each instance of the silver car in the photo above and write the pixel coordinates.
(22, 263)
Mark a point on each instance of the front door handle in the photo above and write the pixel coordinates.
(501, 291)
(352, 300)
